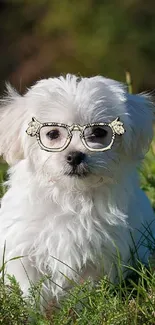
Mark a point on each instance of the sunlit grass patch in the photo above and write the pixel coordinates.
(132, 302)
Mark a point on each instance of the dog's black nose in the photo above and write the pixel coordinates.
(75, 158)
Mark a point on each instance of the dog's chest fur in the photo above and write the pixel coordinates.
(72, 240)
(63, 233)
(72, 233)
(60, 231)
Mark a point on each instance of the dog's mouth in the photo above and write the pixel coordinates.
(79, 171)
(77, 174)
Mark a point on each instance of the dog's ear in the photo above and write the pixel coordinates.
(140, 114)
(12, 116)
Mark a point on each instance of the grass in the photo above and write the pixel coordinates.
(129, 303)
(132, 302)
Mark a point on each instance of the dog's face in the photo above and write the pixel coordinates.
(73, 101)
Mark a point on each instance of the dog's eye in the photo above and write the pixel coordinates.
(99, 132)
(98, 136)
(53, 134)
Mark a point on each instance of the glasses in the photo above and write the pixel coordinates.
(55, 137)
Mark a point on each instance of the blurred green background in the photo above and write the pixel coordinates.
(42, 38)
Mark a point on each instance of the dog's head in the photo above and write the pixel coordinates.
(72, 101)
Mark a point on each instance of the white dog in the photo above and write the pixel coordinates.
(73, 200)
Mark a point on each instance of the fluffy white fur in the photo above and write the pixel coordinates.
(70, 226)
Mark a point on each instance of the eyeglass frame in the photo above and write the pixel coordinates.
(35, 126)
